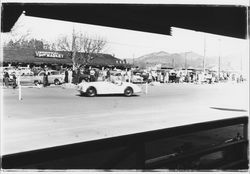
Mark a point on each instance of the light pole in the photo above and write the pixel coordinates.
(133, 59)
(173, 64)
(203, 62)
(186, 61)
(219, 62)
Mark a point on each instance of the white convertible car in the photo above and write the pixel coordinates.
(95, 88)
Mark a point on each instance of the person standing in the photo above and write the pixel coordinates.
(178, 76)
(70, 75)
(104, 74)
(92, 75)
(74, 78)
(96, 75)
(66, 77)
(108, 75)
(6, 79)
(44, 80)
(47, 78)
(166, 77)
(14, 80)
(78, 75)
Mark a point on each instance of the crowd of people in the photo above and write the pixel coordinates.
(134, 75)
(192, 76)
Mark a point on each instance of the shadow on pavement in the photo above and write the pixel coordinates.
(108, 95)
(229, 109)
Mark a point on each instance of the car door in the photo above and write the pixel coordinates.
(115, 88)
(50, 77)
(102, 87)
(58, 75)
(40, 77)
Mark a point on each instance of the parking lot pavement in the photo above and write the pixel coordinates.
(54, 115)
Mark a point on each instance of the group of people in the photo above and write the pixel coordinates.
(198, 77)
(87, 74)
(162, 76)
(90, 74)
(9, 80)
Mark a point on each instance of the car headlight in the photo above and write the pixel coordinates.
(79, 88)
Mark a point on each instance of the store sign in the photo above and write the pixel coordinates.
(48, 54)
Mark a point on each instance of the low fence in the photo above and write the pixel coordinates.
(129, 152)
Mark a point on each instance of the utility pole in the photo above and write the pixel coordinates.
(203, 63)
(186, 61)
(219, 62)
(133, 59)
(173, 65)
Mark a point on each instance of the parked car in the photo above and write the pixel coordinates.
(136, 78)
(54, 76)
(24, 71)
(9, 69)
(103, 87)
(115, 75)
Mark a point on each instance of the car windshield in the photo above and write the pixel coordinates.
(42, 73)
(54, 73)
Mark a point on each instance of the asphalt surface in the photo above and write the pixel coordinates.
(52, 116)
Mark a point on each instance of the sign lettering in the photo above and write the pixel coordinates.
(48, 54)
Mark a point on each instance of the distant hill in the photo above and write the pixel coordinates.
(178, 60)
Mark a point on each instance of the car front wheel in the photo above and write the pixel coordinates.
(128, 92)
(56, 82)
(91, 92)
(36, 82)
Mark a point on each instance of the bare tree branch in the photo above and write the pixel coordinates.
(82, 43)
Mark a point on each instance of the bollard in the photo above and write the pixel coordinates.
(146, 88)
(20, 89)
(20, 92)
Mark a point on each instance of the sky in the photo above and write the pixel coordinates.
(132, 44)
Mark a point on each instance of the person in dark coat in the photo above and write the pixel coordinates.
(108, 75)
(78, 75)
(6, 79)
(92, 75)
(47, 78)
(14, 81)
(74, 80)
(66, 78)
(44, 80)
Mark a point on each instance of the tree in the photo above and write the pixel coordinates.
(82, 47)
(22, 44)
